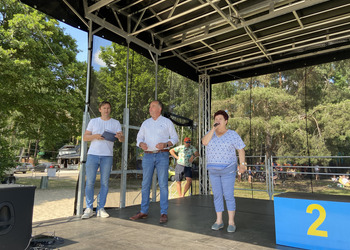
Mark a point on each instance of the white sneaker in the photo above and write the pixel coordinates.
(102, 213)
(88, 213)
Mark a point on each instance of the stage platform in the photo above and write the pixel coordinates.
(189, 227)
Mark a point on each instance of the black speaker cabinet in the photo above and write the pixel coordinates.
(16, 214)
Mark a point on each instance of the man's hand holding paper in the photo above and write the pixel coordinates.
(120, 136)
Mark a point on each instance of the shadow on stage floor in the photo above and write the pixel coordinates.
(254, 218)
(187, 216)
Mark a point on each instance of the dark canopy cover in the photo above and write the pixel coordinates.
(227, 39)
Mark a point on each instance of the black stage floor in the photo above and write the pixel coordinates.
(189, 225)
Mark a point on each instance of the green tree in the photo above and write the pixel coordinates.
(318, 95)
(112, 81)
(178, 94)
(183, 101)
(331, 122)
(41, 82)
(110, 84)
(264, 125)
(224, 90)
(7, 156)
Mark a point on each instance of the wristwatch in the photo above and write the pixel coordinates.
(244, 163)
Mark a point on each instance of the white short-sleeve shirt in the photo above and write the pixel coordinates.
(98, 126)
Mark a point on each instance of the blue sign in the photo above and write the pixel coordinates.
(312, 224)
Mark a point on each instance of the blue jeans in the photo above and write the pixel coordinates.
(223, 184)
(92, 163)
(160, 162)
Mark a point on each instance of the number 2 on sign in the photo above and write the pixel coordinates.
(313, 228)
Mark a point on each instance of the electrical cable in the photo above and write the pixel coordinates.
(250, 131)
(306, 127)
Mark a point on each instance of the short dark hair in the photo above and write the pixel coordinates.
(103, 103)
(159, 103)
(223, 113)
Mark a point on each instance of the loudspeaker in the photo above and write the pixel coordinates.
(16, 214)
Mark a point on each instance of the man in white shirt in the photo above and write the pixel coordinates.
(155, 137)
(100, 155)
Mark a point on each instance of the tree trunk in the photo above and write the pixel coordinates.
(21, 154)
(280, 79)
(268, 146)
(28, 150)
(36, 148)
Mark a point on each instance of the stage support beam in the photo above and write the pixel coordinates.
(126, 123)
(86, 118)
(204, 112)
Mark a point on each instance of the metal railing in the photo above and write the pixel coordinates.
(271, 171)
(258, 174)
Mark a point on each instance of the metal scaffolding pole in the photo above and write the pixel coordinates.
(126, 122)
(154, 179)
(156, 79)
(204, 96)
(86, 118)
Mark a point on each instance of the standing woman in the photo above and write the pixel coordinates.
(222, 144)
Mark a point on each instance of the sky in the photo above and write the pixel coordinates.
(82, 41)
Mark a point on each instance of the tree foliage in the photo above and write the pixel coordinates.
(297, 112)
(292, 113)
(7, 157)
(178, 94)
(41, 82)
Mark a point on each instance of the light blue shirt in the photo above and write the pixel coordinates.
(221, 151)
(157, 131)
(185, 154)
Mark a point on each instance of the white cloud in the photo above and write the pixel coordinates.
(96, 61)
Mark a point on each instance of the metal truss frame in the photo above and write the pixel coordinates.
(204, 103)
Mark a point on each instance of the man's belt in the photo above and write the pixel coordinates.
(157, 151)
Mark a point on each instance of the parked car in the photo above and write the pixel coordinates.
(23, 167)
(9, 177)
(42, 167)
(171, 170)
(171, 174)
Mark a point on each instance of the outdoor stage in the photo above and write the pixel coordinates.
(189, 227)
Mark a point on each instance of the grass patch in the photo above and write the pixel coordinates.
(323, 186)
(54, 183)
(244, 189)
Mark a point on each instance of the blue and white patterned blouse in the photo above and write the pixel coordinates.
(221, 151)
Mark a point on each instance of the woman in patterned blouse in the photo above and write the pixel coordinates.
(221, 145)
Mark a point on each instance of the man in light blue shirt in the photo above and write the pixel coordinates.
(184, 155)
(155, 137)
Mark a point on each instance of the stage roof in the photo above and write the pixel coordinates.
(227, 39)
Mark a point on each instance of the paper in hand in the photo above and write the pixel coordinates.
(109, 136)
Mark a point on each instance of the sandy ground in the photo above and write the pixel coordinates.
(54, 203)
(59, 203)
